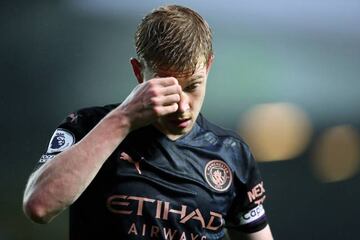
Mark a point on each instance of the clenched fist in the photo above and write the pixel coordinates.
(150, 100)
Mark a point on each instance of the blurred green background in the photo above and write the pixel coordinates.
(58, 56)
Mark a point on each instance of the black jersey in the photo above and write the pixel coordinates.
(154, 188)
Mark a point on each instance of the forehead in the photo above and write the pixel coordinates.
(199, 72)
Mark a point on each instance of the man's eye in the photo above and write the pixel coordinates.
(192, 87)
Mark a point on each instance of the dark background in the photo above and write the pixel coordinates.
(58, 56)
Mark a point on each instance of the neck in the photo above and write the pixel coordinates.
(171, 136)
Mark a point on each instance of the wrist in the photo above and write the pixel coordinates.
(119, 121)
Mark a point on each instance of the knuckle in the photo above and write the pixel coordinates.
(154, 101)
(174, 107)
(157, 111)
(179, 89)
(174, 80)
(151, 83)
(153, 91)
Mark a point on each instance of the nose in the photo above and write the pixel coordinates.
(184, 104)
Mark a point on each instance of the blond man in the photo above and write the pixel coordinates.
(152, 167)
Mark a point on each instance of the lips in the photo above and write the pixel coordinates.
(181, 123)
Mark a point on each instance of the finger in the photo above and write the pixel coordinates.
(170, 99)
(167, 81)
(162, 101)
(170, 90)
(165, 110)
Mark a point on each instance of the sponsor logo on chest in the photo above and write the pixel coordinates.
(163, 210)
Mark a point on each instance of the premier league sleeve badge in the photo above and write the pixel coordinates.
(60, 141)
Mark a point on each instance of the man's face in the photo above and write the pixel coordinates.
(191, 99)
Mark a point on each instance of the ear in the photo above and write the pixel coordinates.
(137, 69)
(210, 62)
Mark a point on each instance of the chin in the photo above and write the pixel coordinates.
(179, 131)
(171, 128)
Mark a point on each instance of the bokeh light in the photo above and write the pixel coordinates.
(276, 131)
(337, 154)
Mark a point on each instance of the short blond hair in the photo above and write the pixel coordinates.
(173, 37)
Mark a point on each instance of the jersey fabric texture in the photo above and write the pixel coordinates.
(154, 188)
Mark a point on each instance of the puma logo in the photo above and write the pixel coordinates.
(124, 156)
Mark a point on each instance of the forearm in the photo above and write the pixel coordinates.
(58, 183)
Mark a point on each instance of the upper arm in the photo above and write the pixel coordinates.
(263, 234)
(247, 213)
(67, 133)
(41, 199)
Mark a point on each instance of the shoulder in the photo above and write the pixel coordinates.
(226, 136)
(95, 111)
(241, 160)
(90, 114)
(83, 120)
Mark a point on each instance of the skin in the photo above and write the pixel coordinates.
(158, 100)
(264, 234)
(187, 100)
(164, 99)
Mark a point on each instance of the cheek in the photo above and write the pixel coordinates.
(196, 100)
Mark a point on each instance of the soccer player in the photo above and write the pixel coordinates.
(152, 167)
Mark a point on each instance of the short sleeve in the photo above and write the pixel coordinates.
(247, 213)
(67, 133)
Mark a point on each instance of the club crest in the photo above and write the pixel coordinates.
(218, 175)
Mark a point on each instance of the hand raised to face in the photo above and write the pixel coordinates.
(150, 100)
